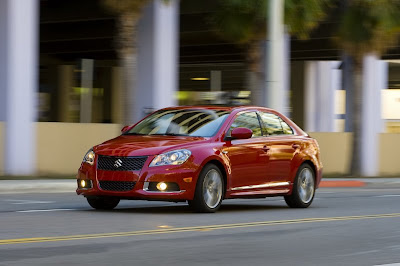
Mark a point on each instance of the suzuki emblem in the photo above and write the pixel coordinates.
(118, 163)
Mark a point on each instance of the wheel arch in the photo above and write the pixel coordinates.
(312, 165)
(221, 167)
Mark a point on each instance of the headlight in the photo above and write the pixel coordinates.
(171, 158)
(89, 157)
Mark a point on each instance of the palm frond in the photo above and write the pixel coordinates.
(369, 27)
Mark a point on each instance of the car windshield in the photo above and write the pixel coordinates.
(181, 122)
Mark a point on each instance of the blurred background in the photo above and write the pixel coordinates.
(72, 73)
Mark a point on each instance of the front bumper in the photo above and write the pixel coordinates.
(185, 176)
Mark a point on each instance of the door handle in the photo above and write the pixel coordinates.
(295, 146)
(266, 148)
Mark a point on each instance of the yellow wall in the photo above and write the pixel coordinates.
(389, 163)
(335, 151)
(61, 146)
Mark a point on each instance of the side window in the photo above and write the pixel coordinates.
(286, 128)
(272, 124)
(249, 120)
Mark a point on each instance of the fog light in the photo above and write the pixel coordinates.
(83, 183)
(161, 186)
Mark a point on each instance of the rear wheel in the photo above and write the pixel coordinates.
(303, 188)
(103, 203)
(209, 190)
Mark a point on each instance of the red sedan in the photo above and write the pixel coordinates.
(203, 155)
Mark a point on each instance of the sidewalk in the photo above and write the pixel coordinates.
(69, 185)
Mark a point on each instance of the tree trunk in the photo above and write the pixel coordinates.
(355, 168)
(127, 51)
(129, 64)
(255, 74)
(255, 83)
(347, 85)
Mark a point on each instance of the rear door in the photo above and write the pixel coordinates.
(282, 146)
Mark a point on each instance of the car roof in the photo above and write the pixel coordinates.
(216, 107)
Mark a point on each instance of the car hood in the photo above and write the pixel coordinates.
(145, 145)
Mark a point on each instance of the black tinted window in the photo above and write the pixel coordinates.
(198, 122)
(248, 120)
(286, 128)
(272, 124)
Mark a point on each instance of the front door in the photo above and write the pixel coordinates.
(248, 159)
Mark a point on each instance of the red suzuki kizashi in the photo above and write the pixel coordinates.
(203, 155)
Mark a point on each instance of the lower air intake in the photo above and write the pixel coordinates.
(117, 185)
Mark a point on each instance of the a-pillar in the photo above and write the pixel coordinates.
(375, 77)
(157, 78)
(18, 83)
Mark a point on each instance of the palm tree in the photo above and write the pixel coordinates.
(244, 22)
(366, 27)
(128, 12)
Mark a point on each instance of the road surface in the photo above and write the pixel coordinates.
(353, 226)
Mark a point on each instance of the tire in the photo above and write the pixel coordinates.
(209, 190)
(103, 203)
(303, 188)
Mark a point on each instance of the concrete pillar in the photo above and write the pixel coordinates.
(157, 79)
(117, 83)
(310, 95)
(65, 84)
(297, 98)
(275, 96)
(86, 90)
(374, 81)
(285, 75)
(18, 83)
(215, 81)
(321, 81)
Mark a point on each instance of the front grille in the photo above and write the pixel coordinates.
(113, 163)
(117, 185)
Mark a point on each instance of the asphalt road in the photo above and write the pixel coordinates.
(342, 227)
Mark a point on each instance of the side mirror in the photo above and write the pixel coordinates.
(241, 133)
(125, 128)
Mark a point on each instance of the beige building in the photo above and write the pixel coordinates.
(60, 90)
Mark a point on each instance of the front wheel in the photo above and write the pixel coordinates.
(209, 190)
(303, 188)
(103, 203)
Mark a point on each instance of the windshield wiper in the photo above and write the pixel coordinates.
(134, 133)
(168, 134)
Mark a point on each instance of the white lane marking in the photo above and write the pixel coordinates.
(389, 237)
(29, 201)
(360, 253)
(48, 210)
(387, 196)
(392, 264)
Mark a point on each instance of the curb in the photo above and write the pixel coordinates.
(37, 186)
(342, 183)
